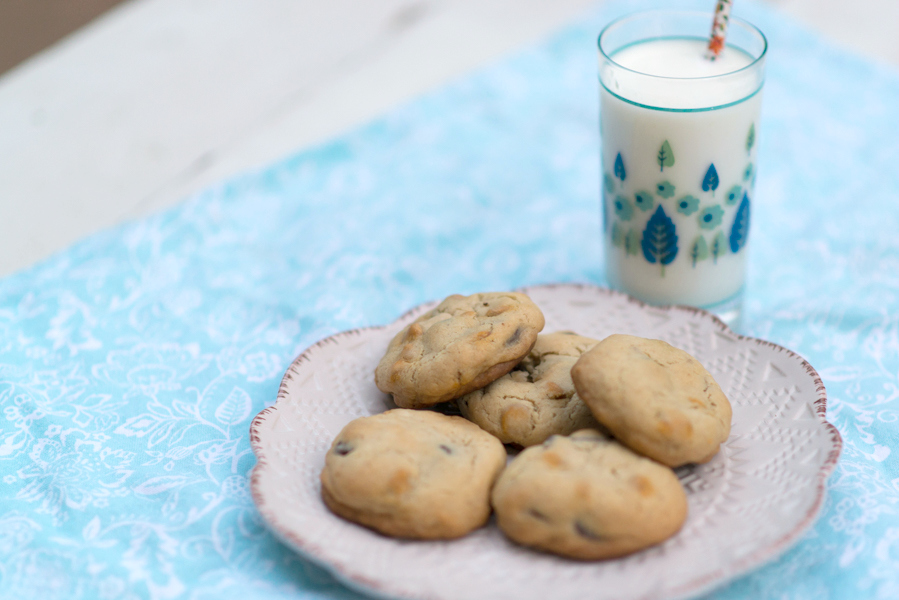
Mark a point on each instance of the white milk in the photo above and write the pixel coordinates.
(669, 133)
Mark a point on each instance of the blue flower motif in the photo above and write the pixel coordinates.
(665, 189)
(748, 172)
(644, 200)
(733, 195)
(710, 217)
(609, 182)
(623, 208)
(688, 205)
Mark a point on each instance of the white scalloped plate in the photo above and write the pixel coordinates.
(747, 506)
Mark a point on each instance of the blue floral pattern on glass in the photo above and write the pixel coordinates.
(623, 208)
(665, 189)
(688, 205)
(644, 200)
(710, 216)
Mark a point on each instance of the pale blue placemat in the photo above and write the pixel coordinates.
(132, 363)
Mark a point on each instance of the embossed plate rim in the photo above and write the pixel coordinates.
(394, 588)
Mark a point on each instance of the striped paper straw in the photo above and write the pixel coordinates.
(719, 28)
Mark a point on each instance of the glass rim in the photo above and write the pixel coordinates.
(695, 13)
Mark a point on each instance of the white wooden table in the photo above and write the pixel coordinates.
(159, 98)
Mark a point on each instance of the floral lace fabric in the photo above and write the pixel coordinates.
(132, 363)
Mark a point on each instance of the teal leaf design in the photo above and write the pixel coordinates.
(617, 236)
(710, 217)
(623, 208)
(665, 189)
(235, 408)
(632, 242)
(665, 157)
(688, 205)
(157, 426)
(157, 485)
(92, 529)
(218, 453)
(710, 181)
(718, 247)
(750, 138)
(733, 195)
(699, 250)
(659, 239)
(644, 200)
(739, 232)
(619, 168)
(748, 172)
(608, 182)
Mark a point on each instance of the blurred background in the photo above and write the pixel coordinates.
(112, 110)
(28, 26)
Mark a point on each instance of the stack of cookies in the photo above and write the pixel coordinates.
(601, 424)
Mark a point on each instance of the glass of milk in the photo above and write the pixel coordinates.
(679, 138)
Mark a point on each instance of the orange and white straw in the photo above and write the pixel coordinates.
(719, 29)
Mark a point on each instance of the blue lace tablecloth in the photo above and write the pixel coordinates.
(132, 363)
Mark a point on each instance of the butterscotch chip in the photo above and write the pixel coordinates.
(654, 398)
(537, 398)
(587, 497)
(412, 474)
(461, 345)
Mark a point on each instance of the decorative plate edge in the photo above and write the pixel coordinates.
(357, 582)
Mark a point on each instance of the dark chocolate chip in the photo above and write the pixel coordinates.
(585, 532)
(446, 448)
(515, 337)
(538, 515)
(342, 448)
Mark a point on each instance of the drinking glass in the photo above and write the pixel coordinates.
(679, 136)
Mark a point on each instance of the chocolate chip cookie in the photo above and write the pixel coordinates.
(461, 345)
(537, 398)
(654, 398)
(587, 497)
(412, 474)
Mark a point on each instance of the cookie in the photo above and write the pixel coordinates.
(412, 474)
(654, 398)
(460, 346)
(587, 497)
(537, 398)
